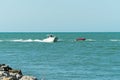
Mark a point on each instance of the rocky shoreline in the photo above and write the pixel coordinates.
(8, 73)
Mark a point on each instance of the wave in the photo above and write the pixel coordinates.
(1, 40)
(27, 40)
(90, 40)
(115, 40)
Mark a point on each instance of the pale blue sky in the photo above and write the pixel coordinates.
(60, 15)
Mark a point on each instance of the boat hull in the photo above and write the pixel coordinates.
(80, 39)
(50, 39)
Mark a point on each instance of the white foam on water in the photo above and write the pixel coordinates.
(1, 40)
(115, 40)
(90, 40)
(37, 40)
(22, 40)
(26, 40)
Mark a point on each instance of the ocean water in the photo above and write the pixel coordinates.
(97, 58)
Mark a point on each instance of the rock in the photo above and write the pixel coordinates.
(15, 75)
(7, 78)
(28, 78)
(7, 73)
(4, 73)
(4, 67)
(15, 71)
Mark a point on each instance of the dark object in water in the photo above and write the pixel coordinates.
(80, 39)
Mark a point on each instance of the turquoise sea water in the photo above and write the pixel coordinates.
(97, 58)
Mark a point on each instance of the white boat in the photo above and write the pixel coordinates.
(50, 38)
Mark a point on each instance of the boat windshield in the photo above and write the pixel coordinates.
(50, 36)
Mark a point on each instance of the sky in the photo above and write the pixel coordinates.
(59, 15)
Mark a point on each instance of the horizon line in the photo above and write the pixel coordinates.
(53, 31)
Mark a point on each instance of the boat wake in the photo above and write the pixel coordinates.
(115, 40)
(22, 40)
(27, 40)
(1, 40)
(60, 40)
(91, 40)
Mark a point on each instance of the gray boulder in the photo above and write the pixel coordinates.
(7, 73)
(28, 78)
